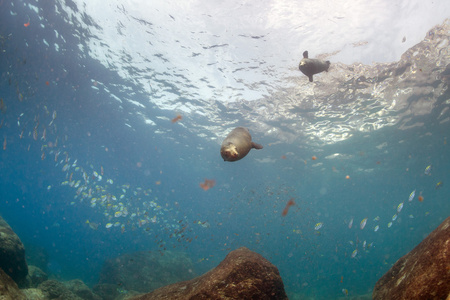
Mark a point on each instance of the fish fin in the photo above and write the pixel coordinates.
(328, 65)
(305, 54)
(310, 78)
(256, 146)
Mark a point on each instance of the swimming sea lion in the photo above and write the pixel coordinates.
(237, 144)
(310, 66)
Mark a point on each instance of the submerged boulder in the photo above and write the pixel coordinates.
(12, 254)
(423, 273)
(37, 276)
(146, 271)
(9, 289)
(53, 289)
(243, 274)
(80, 289)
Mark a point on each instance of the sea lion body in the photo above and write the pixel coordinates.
(237, 144)
(311, 66)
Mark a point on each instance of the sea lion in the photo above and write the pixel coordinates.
(310, 66)
(237, 144)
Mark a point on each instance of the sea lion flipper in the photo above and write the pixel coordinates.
(256, 146)
(305, 54)
(310, 78)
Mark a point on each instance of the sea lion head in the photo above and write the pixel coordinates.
(229, 152)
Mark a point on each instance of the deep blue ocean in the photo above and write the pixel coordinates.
(74, 129)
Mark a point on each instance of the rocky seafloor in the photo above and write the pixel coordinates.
(424, 273)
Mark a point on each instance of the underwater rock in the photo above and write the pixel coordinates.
(146, 271)
(56, 290)
(37, 276)
(107, 291)
(423, 273)
(12, 254)
(8, 288)
(34, 294)
(243, 274)
(80, 289)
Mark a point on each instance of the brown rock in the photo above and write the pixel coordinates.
(243, 274)
(12, 254)
(9, 289)
(34, 294)
(423, 273)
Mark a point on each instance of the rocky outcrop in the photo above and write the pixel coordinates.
(9, 289)
(12, 254)
(243, 274)
(423, 273)
(53, 289)
(37, 276)
(34, 294)
(80, 289)
(146, 271)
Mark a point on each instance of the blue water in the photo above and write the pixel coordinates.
(169, 160)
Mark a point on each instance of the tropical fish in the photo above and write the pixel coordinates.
(53, 118)
(377, 218)
(411, 196)
(177, 118)
(289, 204)
(35, 134)
(318, 226)
(209, 183)
(399, 207)
(438, 185)
(92, 225)
(394, 217)
(428, 170)
(108, 225)
(354, 253)
(376, 228)
(350, 224)
(363, 223)
(345, 292)
(389, 224)
(364, 245)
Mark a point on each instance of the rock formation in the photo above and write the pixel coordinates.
(12, 254)
(9, 289)
(243, 274)
(423, 273)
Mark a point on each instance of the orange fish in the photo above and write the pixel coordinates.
(209, 183)
(27, 24)
(177, 118)
(289, 204)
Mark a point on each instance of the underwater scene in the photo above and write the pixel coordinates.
(113, 118)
